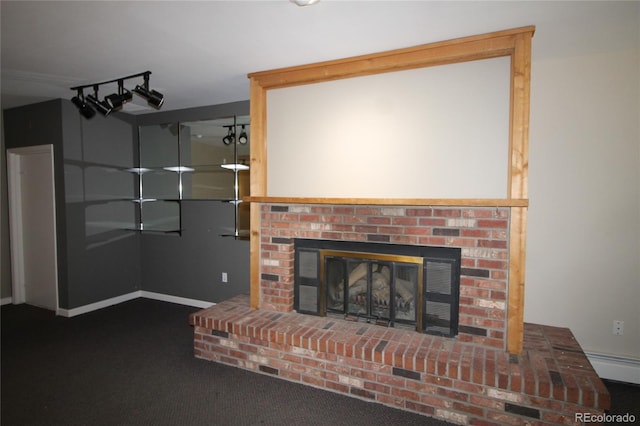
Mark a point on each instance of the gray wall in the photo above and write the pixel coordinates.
(190, 265)
(97, 258)
(39, 124)
(89, 270)
(103, 257)
(5, 258)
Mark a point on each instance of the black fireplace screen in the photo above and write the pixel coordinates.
(373, 287)
(387, 284)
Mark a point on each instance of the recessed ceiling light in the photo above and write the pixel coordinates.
(304, 2)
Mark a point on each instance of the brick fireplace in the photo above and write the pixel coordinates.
(468, 379)
(496, 370)
(480, 233)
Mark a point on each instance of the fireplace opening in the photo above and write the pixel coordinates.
(373, 287)
(387, 284)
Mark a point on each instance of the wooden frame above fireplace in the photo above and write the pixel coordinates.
(514, 43)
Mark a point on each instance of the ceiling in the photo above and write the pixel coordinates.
(200, 52)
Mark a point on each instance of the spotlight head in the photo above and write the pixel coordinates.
(228, 140)
(153, 98)
(114, 101)
(117, 100)
(85, 110)
(231, 136)
(243, 138)
(101, 106)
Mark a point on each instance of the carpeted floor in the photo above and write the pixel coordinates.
(133, 364)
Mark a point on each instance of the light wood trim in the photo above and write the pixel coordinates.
(517, 256)
(257, 185)
(519, 117)
(515, 43)
(518, 187)
(464, 49)
(465, 202)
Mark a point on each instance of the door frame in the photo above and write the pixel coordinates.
(14, 192)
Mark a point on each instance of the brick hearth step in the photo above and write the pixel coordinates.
(461, 382)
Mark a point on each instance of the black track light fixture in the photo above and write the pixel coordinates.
(231, 136)
(85, 110)
(153, 98)
(101, 106)
(243, 138)
(115, 101)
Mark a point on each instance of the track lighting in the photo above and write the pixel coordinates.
(86, 111)
(231, 136)
(115, 101)
(155, 99)
(243, 138)
(101, 106)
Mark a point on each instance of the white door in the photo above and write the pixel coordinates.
(33, 227)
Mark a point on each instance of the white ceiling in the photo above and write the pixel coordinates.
(200, 52)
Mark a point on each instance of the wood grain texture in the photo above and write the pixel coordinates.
(469, 202)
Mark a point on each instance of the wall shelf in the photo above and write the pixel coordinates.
(190, 161)
(479, 202)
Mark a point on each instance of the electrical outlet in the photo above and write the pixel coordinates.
(225, 277)
(618, 327)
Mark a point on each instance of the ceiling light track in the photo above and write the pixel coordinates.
(87, 106)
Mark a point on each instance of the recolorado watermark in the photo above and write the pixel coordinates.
(605, 418)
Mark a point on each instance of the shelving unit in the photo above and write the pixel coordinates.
(189, 161)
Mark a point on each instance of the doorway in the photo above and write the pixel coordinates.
(32, 224)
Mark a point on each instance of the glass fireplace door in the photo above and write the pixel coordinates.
(377, 288)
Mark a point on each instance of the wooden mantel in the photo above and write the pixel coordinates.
(513, 43)
(469, 202)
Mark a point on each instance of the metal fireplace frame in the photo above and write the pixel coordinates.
(371, 257)
(310, 289)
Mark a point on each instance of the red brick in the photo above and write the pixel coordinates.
(436, 380)
(504, 419)
(419, 212)
(377, 387)
(486, 402)
(392, 380)
(467, 408)
(390, 400)
(420, 408)
(468, 387)
(337, 387)
(406, 394)
(490, 223)
(315, 381)
(447, 212)
(460, 396)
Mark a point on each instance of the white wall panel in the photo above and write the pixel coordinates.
(437, 132)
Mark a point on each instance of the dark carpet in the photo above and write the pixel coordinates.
(133, 364)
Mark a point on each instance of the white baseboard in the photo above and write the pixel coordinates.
(6, 301)
(175, 299)
(98, 305)
(130, 296)
(613, 367)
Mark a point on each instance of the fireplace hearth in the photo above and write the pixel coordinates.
(392, 285)
(466, 379)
